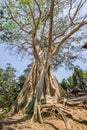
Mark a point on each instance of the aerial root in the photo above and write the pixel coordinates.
(37, 115)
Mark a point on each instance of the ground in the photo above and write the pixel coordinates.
(23, 122)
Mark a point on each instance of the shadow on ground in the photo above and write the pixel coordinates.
(10, 121)
(52, 125)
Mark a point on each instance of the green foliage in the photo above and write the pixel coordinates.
(76, 80)
(3, 113)
(21, 81)
(64, 84)
(8, 86)
(77, 76)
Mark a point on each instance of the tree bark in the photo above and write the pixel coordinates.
(39, 84)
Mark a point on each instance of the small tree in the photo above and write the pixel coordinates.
(8, 86)
(42, 26)
(76, 80)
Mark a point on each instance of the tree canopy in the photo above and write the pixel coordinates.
(24, 20)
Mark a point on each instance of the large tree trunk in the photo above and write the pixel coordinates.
(41, 86)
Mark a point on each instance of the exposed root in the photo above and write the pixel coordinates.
(39, 110)
(75, 101)
(59, 110)
(68, 127)
(62, 111)
(74, 117)
(79, 98)
(71, 103)
(39, 114)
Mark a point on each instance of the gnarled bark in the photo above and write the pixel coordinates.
(40, 87)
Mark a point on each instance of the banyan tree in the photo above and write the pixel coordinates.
(43, 28)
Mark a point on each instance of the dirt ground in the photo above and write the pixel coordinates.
(23, 122)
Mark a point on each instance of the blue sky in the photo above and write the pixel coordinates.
(7, 57)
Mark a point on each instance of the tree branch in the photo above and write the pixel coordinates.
(12, 17)
(32, 15)
(62, 33)
(51, 25)
(80, 5)
(68, 35)
(39, 18)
